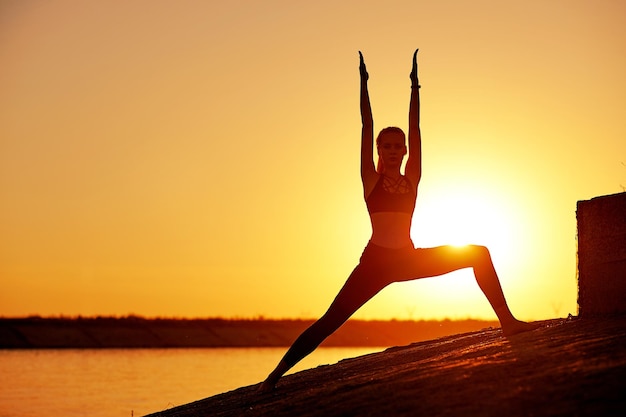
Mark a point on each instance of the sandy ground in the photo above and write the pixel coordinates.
(568, 367)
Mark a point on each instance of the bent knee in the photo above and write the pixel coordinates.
(478, 252)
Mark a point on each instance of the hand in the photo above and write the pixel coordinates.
(362, 70)
(413, 75)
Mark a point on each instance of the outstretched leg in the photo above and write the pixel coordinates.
(304, 345)
(443, 259)
(357, 290)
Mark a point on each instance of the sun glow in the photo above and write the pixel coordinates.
(461, 217)
(458, 217)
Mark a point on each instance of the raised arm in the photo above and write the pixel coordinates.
(414, 163)
(368, 171)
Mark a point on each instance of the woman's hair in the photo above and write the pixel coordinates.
(386, 131)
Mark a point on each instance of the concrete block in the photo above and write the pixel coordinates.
(602, 255)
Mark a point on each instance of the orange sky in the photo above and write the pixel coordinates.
(198, 158)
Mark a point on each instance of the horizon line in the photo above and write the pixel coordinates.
(222, 318)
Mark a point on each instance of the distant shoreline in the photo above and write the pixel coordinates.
(139, 332)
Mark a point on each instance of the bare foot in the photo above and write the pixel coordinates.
(268, 385)
(517, 326)
(265, 387)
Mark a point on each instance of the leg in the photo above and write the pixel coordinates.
(357, 290)
(444, 259)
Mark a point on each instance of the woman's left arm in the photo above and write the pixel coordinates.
(414, 163)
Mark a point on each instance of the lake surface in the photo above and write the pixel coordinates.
(134, 382)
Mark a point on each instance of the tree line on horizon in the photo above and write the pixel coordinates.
(260, 318)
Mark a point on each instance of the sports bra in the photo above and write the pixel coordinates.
(401, 198)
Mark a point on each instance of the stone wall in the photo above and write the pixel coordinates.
(602, 255)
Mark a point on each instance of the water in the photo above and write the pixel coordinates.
(134, 382)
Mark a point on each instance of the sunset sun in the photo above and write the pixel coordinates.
(467, 217)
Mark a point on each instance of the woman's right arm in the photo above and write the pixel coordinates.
(368, 171)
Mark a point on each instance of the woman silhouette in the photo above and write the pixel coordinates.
(390, 256)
